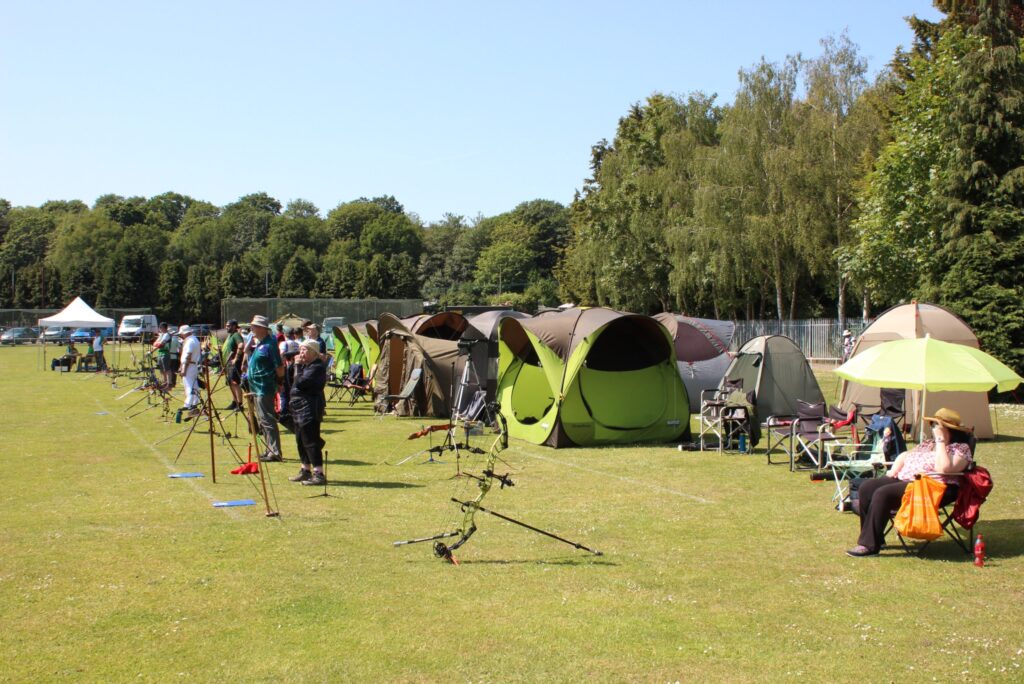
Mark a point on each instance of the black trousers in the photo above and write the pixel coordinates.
(307, 439)
(879, 499)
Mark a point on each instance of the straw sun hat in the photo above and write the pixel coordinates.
(948, 418)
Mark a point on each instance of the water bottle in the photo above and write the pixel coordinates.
(979, 552)
(743, 444)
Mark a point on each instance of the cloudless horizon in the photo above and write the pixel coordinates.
(452, 107)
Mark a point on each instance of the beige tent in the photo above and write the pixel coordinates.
(909, 321)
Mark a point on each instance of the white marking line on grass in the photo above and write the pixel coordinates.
(639, 483)
(192, 482)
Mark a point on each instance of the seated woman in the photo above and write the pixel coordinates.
(947, 452)
(66, 361)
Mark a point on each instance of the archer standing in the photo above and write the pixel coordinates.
(309, 376)
(162, 345)
(189, 368)
(97, 350)
(265, 374)
(232, 362)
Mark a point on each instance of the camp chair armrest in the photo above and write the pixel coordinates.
(779, 421)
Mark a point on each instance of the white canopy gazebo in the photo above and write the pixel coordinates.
(78, 314)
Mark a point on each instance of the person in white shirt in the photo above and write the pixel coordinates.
(189, 368)
(97, 351)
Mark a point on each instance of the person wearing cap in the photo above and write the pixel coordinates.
(231, 355)
(162, 345)
(265, 373)
(309, 377)
(948, 452)
(189, 367)
(289, 349)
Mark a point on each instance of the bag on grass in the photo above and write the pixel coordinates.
(918, 516)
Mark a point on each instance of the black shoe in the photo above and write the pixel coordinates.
(860, 551)
(271, 458)
(316, 480)
(233, 406)
(302, 476)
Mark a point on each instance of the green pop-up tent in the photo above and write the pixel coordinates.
(590, 377)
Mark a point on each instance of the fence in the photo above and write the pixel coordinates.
(353, 310)
(11, 318)
(819, 339)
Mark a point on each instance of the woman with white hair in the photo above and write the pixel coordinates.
(309, 376)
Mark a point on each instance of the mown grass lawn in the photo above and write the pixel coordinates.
(716, 567)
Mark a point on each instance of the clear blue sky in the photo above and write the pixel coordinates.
(462, 107)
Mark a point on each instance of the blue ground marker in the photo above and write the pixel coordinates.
(181, 475)
(232, 504)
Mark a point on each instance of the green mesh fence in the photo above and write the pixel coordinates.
(352, 310)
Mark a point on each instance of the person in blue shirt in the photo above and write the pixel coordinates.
(265, 374)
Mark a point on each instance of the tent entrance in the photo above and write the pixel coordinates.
(602, 392)
(531, 396)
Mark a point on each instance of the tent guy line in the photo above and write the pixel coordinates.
(594, 471)
(194, 483)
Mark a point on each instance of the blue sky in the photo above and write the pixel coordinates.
(461, 107)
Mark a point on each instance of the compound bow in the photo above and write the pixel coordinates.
(485, 481)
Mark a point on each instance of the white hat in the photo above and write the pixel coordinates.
(311, 345)
(185, 330)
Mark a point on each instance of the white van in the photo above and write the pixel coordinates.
(142, 326)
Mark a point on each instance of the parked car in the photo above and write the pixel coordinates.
(55, 333)
(19, 336)
(143, 326)
(86, 334)
(201, 329)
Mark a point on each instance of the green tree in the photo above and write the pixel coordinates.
(298, 276)
(171, 289)
(981, 191)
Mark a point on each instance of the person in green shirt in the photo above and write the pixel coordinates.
(266, 375)
(231, 366)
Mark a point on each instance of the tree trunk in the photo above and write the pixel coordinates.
(865, 313)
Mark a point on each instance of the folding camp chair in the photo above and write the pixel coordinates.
(809, 436)
(869, 458)
(891, 403)
(359, 388)
(340, 389)
(725, 415)
(390, 401)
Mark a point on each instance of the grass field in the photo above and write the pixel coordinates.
(716, 567)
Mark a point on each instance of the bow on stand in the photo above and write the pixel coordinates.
(485, 481)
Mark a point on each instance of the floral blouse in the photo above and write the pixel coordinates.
(921, 459)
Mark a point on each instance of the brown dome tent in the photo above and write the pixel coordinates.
(431, 344)
(910, 321)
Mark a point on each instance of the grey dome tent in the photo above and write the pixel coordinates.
(777, 372)
(484, 327)
(702, 351)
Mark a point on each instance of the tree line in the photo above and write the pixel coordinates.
(815, 192)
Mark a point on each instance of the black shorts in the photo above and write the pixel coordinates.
(166, 364)
(234, 375)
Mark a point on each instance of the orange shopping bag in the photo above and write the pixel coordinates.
(918, 516)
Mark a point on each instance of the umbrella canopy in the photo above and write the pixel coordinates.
(930, 365)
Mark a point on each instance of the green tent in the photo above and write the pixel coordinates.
(775, 369)
(366, 333)
(342, 353)
(590, 377)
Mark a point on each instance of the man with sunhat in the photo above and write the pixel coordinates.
(266, 374)
(189, 367)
